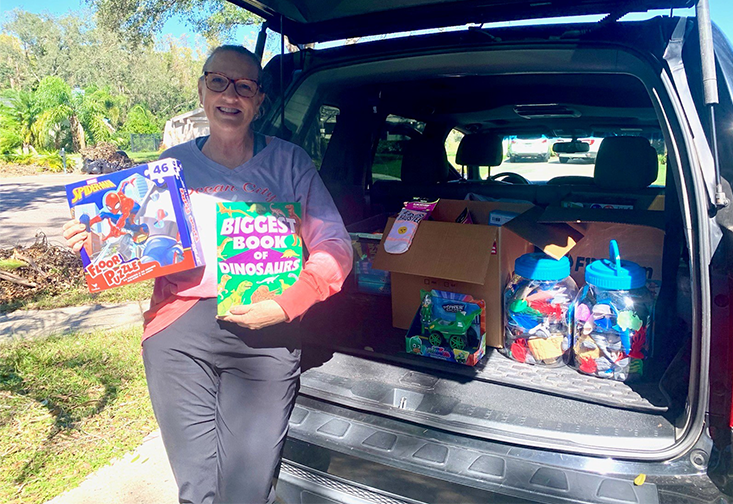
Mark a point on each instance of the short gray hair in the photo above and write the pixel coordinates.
(241, 50)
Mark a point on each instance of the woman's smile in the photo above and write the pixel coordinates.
(228, 110)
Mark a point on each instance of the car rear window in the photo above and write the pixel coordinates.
(533, 157)
(397, 130)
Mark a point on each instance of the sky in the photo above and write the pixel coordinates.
(721, 12)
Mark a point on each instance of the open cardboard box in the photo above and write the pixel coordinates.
(475, 259)
(639, 234)
(478, 259)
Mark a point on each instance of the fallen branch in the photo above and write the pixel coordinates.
(4, 275)
(30, 262)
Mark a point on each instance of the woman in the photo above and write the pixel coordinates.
(223, 389)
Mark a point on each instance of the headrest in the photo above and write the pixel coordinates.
(424, 161)
(480, 149)
(625, 163)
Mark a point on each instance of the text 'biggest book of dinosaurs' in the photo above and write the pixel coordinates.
(259, 251)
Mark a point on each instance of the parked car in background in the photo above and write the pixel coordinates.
(374, 423)
(528, 147)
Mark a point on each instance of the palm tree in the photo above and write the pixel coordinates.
(81, 113)
(18, 115)
(58, 111)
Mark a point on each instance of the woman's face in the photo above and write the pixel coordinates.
(227, 111)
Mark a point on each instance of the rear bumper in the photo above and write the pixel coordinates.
(299, 484)
(334, 454)
(530, 155)
(588, 156)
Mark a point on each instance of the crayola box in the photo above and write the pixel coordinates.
(140, 224)
(259, 251)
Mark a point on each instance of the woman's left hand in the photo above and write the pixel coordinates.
(256, 315)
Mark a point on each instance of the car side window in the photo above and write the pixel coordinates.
(318, 133)
(657, 141)
(397, 130)
(451, 147)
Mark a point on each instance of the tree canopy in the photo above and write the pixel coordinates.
(67, 82)
(138, 20)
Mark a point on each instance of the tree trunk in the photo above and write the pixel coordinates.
(77, 134)
(28, 148)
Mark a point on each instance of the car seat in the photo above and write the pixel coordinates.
(625, 168)
(479, 149)
(625, 162)
(424, 161)
(622, 162)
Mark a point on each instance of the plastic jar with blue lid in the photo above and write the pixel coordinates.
(536, 302)
(612, 319)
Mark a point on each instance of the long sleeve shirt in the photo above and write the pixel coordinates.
(281, 172)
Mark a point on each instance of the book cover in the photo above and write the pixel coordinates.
(259, 251)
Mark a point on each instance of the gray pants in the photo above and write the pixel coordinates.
(222, 396)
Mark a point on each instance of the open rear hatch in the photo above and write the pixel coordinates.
(308, 21)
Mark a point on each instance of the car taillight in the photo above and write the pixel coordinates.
(544, 140)
(590, 142)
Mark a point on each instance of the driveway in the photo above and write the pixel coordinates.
(34, 203)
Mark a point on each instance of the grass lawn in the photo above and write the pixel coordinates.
(144, 156)
(68, 406)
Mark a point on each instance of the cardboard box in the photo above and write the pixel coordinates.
(475, 259)
(639, 235)
(478, 259)
(140, 222)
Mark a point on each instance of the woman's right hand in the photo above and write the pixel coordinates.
(75, 234)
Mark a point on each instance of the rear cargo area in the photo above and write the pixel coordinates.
(352, 356)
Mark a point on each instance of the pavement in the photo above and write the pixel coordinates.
(34, 203)
(37, 203)
(29, 324)
(141, 477)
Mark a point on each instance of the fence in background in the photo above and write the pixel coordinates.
(140, 142)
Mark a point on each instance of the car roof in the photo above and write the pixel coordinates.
(308, 21)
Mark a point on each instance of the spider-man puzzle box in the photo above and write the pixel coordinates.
(140, 224)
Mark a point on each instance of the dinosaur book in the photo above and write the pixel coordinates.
(259, 251)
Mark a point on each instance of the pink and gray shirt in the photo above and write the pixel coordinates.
(282, 172)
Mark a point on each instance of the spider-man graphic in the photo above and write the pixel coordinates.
(121, 212)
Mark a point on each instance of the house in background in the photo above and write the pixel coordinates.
(184, 127)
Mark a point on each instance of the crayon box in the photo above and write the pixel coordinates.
(140, 223)
(259, 251)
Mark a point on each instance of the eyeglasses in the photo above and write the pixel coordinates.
(218, 83)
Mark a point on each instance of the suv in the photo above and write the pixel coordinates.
(374, 423)
(521, 147)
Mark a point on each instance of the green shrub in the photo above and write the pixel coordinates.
(48, 160)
